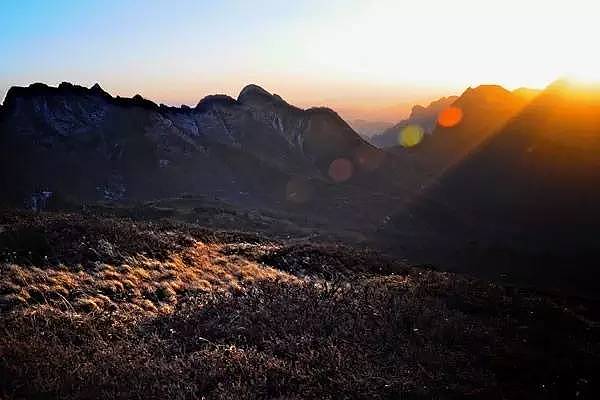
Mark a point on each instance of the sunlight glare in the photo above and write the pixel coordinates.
(591, 77)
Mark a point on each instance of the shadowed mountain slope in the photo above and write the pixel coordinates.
(526, 201)
(87, 144)
(485, 109)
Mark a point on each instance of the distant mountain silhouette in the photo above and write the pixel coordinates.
(526, 200)
(425, 117)
(86, 143)
(484, 109)
(367, 128)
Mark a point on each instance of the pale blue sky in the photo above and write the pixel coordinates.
(359, 57)
(129, 44)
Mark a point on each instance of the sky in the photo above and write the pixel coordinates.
(366, 59)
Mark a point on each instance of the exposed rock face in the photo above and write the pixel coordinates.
(425, 117)
(72, 139)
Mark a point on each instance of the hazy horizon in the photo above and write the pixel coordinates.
(366, 60)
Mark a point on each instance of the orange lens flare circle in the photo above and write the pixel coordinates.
(450, 117)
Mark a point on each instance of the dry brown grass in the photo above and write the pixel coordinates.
(224, 319)
(139, 283)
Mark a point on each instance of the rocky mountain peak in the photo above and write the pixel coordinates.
(485, 95)
(215, 100)
(486, 90)
(136, 101)
(255, 95)
(97, 90)
(41, 90)
(253, 90)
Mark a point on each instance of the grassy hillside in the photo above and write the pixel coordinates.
(98, 306)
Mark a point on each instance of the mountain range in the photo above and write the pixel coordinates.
(523, 200)
(88, 144)
(492, 193)
(484, 109)
(425, 117)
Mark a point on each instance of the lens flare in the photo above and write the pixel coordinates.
(450, 117)
(340, 170)
(410, 136)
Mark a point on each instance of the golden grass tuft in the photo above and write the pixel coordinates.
(144, 283)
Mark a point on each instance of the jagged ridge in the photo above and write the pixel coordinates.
(259, 127)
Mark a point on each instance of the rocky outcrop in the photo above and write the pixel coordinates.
(74, 139)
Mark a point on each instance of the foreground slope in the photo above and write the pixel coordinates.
(94, 305)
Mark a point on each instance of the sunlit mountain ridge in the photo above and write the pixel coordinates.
(528, 191)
